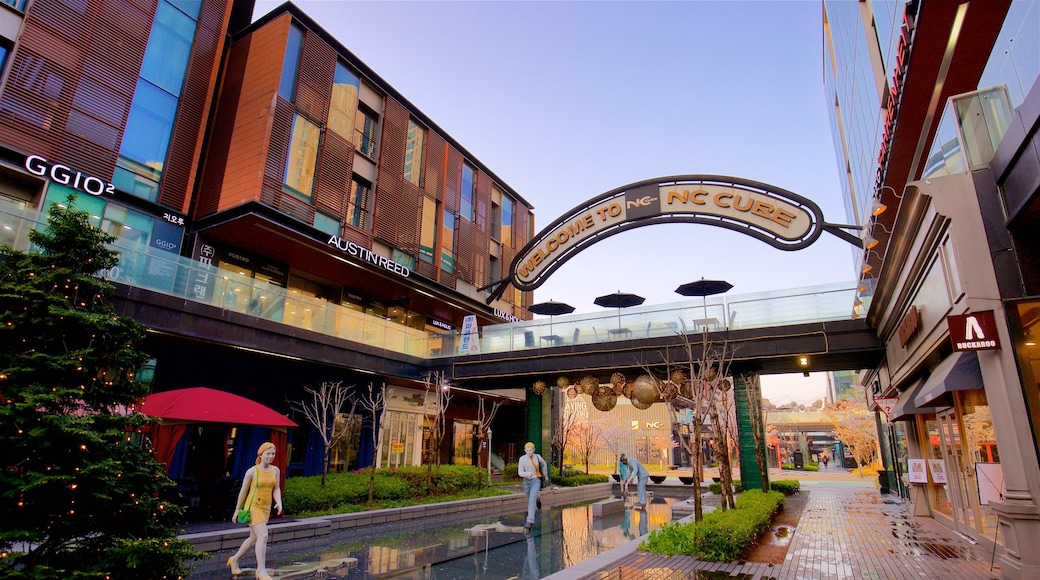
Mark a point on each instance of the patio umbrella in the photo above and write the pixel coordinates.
(704, 288)
(550, 309)
(619, 300)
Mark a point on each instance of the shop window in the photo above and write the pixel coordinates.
(302, 160)
(428, 230)
(291, 63)
(414, 153)
(357, 205)
(448, 242)
(345, 85)
(399, 438)
(406, 260)
(469, 189)
(365, 124)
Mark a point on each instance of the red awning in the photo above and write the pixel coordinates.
(204, 405)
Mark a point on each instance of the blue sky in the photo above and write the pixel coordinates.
(567, 100)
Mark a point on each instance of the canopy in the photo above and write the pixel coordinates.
(619, 300)
(958, 372)
(204, 405)
(177, 408)
(550, 308)
(704, 287)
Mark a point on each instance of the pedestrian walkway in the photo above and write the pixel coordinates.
(844, 532)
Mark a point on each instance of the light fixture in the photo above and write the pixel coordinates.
(878, 208)
(857, 302)
(1030, 341)
(866, 268)
(803, 361)
(870, 242)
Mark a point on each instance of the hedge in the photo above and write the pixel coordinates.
(721, 536)
(786, 486)
(344, 490)
(570, 477)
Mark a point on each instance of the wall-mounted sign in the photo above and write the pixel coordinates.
(369, 256)
(886, 404)
(975, 331)
(67, 176)
(909, 326)
(773, 215)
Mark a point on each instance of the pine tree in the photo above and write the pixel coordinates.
(80, 494)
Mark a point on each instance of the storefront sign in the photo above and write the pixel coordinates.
(909, 326)
(67, 176)
(886, 404)
(439, 324)
(502, 314)
(369, 256)
(975, 331)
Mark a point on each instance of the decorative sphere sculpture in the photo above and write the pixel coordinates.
(644, 390)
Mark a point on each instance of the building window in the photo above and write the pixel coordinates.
(291, 63)
(345, 86)
(357, 205)
(506, 233)
(327, 224)
(414, 153)
(365, 124)
(303, 157)
(448, 242)
(4, 50)
(146, 138)
(428, 231)
(469, 188)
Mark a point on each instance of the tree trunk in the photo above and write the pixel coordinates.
(325, 467)
(698, 473)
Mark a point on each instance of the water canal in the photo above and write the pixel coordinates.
(488, 546)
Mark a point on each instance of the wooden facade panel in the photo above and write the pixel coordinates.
(281, 134)
(397, 201)
(35, 104)
(212, 184)
(335, 172)
(314, 81)
(186, 138)
(453, 180)
(436, 148)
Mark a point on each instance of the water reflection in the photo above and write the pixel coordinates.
(483, 548)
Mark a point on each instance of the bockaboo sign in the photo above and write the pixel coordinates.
(778, 217)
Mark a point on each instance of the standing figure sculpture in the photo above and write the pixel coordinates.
(260, 484)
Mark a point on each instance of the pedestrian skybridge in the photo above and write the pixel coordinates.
(816, 322)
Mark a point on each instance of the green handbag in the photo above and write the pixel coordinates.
(243, 515)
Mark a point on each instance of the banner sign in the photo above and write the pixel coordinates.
(975, 331)
(469, 342)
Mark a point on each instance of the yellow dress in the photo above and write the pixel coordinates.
(260, 510)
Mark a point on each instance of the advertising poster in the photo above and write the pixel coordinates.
(917, 471)
(938, 470)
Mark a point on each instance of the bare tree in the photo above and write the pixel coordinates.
(375, 403)
(568, 422)
(484, 418)
(664, 443)
(438, 394)
(610, 435)
(752, 392)
(585, 439)
(323, 412)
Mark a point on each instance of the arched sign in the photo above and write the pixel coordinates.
(780, 218)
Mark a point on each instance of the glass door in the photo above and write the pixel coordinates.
(959, 471)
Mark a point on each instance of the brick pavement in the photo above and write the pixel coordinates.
(845, 532)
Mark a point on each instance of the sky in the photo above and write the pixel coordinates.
(564, 101)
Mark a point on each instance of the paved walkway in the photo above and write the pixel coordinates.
(845, 531)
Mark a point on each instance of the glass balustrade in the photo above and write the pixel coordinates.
(160, 271)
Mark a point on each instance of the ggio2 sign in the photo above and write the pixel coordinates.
(65, 175)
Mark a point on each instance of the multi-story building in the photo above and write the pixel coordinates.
(286, 217)
(934, 115)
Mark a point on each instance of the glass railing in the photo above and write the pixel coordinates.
(160, 271)
(969, 132)
(759, 310)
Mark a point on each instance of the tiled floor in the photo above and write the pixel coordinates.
(844, 533)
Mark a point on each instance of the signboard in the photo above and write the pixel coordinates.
(938, 468)
(917, 471)
(396, 447)
(470, 339)
(886, 404)
(975, 331)
(990, 477)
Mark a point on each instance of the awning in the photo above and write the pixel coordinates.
(959, 372)
(905, 409)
